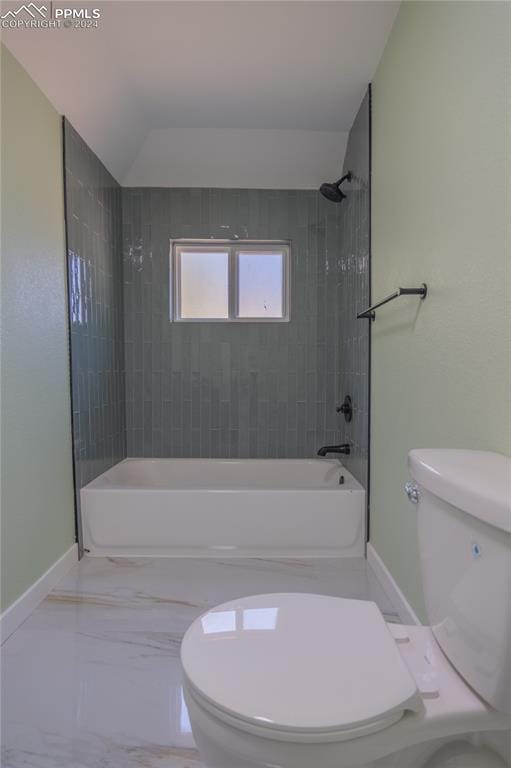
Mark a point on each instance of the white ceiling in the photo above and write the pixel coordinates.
(153, 69)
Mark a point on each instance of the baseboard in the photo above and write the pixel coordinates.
(15, 614)
(389, 584)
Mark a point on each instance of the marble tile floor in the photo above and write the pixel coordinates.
(93, 679)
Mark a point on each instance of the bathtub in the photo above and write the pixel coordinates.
(224, 508)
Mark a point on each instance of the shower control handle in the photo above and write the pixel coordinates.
(346, 408)
(412, 491)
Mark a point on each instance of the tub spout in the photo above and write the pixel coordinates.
(344, 448)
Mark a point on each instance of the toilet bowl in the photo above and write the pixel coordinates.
(299, 680)
(311, 681)
(463, 755)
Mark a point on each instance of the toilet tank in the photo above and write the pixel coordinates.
(464, 522)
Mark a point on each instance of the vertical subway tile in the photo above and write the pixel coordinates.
(248, 389)
(95, 268)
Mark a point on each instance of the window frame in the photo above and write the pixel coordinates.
(233, 248)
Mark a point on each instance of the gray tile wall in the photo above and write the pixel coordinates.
(240, 389)
(354, 292)
(258, 390)
(94, 241)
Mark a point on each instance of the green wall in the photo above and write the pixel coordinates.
(37, 520)
(441, 215)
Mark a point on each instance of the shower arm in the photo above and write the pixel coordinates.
(347, 177)
(370, 313)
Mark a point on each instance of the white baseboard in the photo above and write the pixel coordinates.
(15, 614)
(389, 584)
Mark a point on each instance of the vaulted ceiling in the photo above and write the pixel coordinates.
(155, 73)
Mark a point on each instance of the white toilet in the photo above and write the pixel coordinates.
(309, 681)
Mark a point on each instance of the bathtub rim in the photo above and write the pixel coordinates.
(100, 483)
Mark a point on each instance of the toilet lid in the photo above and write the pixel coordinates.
(299, 662)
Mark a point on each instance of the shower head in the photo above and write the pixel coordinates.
(333, 192)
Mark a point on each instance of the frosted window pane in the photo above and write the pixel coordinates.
(204, 284)
(260, 284)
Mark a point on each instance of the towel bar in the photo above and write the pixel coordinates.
(370, 313)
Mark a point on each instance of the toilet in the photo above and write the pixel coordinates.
(311, 681)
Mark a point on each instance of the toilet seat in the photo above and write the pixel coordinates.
(298, 667)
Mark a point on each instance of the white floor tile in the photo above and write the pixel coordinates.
(93, 680)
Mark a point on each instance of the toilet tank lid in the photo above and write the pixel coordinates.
(477, 482)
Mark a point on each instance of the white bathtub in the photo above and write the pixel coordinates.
(224, 507)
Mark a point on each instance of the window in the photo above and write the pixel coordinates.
(222, 281)
(204, 284)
